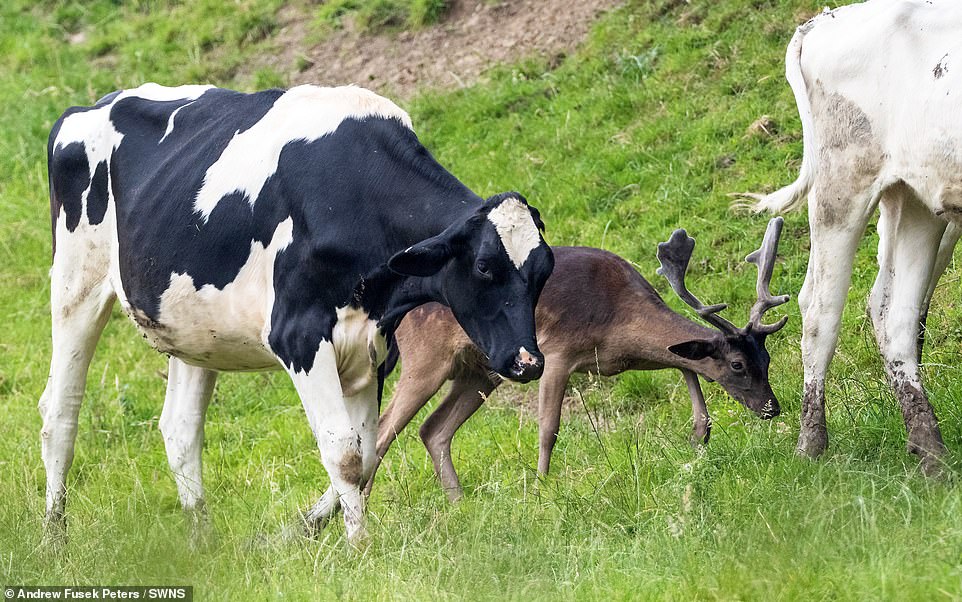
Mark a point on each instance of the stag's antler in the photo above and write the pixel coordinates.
(764, 259)
(674, 256)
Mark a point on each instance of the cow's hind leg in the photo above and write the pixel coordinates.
(838, 216)
(946, 247)
(80, 300)
(909, 238)
(189, 390)
(345, 427)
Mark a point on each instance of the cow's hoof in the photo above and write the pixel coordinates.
(202, 536)
(930, 451)
(54, 534)
(312, 525)
(359, 541)
(812, 442)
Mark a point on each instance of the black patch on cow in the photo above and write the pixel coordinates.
(97, 197)
(71, 177)
(351, 194)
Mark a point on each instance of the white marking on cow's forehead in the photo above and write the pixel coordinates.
(302, 113)
(514, 224)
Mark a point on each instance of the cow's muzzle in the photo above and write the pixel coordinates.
(527, 366)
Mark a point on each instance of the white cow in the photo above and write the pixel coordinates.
(878, 87)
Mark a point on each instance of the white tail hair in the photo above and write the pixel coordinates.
(790, 197)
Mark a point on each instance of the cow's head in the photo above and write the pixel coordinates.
(734, 357)
(490, 269)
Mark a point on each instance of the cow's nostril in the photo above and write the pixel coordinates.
(525, 358)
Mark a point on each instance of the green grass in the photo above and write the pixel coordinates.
(623, 141)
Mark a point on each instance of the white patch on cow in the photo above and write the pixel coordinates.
(170, 121)
(525, 357)
(222, 329)
(152, 91)
(97, 133)
(304, 113)
(516, 228)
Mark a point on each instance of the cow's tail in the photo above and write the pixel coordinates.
(790, 197)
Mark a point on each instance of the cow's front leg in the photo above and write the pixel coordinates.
(345, 427)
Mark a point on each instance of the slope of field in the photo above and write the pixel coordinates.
(642, 129)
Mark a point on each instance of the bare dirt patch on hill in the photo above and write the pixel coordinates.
(472, 36)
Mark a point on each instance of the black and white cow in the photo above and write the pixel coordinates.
(281, 229)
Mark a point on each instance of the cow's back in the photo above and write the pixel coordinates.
(884, 79)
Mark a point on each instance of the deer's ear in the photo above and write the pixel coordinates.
(694, 350)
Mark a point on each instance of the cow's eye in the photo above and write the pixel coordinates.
(738, 366)
(483, 269)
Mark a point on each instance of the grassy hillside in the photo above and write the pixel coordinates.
(642, 130)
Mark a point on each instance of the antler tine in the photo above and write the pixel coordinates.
(674, 256)
(764, 259)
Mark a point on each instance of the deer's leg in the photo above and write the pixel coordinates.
(699, 411)
(467, 394)
(418, 382)
(551, 393)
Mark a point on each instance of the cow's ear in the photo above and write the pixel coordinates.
(426, 258)
(693, 350)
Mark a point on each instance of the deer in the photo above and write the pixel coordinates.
(597, 314)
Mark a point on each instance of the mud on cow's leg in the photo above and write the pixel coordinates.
(345, 427)
(909, 237)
